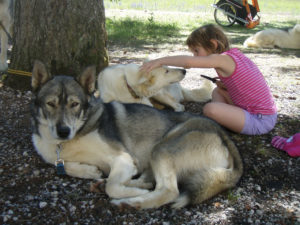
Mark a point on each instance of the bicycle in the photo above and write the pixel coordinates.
(228, 12)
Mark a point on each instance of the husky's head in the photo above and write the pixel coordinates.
(151, 83)
(60, 102)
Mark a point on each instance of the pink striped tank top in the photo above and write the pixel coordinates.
(247, 86)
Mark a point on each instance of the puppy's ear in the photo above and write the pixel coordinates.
(87, 79)
(143, 77)
(39, 75)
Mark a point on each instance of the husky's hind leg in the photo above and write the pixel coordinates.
(121, 173)
(166, 189)
(144, 181)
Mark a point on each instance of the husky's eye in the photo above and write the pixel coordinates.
(74, 104)
(51, 104)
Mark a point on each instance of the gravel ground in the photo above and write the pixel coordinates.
(268, 193)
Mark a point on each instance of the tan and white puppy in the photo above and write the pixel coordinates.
(125, 83)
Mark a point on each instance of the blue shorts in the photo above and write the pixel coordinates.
(256, 124)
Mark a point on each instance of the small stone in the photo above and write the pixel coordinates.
(43, 204)
(258, 188)
(36, 173)
(259, 212)
(187, 213)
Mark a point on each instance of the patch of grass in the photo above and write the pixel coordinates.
(170, 5)
(262, 151)
(134, 31)
(232, 197)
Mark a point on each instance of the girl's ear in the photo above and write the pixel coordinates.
(215, 43)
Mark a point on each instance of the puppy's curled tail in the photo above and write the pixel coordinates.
(206, 183)
(250, 42)
(201, 94)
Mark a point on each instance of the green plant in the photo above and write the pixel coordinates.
(232, 197)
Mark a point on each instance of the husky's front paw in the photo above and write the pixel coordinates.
(92, 172)
(76, 169)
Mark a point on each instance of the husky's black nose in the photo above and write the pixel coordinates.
(63, 131)
(184, 72)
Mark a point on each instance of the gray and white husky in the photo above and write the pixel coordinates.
(186, 158)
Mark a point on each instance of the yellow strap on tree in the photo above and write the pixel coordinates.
(19, 72)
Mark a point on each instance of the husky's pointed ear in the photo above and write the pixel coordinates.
(39, 75)
(87, 79)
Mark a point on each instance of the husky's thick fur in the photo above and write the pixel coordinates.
(125, 83)
(6, 21)
(271, 38)
(187, 158)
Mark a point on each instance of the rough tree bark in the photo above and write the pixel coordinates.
(67, 35)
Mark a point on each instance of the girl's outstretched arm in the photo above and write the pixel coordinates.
(211, 61)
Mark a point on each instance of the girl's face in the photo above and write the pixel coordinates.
(199, 51)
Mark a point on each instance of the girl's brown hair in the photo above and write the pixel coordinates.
(203, 36)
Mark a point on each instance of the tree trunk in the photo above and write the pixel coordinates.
(67, 35)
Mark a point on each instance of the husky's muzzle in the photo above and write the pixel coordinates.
(62, 131)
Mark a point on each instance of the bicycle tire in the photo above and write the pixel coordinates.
(224, 19)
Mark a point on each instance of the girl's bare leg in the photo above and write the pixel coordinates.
(229, 116)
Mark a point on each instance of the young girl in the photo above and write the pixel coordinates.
(242, 101)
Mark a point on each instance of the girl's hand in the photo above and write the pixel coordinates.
(225, 94)
(150, 65)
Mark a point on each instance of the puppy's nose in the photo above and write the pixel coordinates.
(184, 72)
(63, 131)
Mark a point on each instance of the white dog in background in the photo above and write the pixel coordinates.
(271, 38)
(125, 83)
(5, 27)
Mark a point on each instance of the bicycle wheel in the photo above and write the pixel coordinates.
(226, 15)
